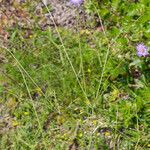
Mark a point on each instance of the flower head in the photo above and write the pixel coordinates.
(76, 2)
(142, 50)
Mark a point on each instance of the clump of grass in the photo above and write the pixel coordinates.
(82, 90)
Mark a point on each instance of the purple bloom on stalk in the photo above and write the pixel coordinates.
(76, 2)
(142, 50)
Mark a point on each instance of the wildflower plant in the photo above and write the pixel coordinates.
(139, 66)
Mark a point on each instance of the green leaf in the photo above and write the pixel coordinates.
(115, 4)
(136, 63)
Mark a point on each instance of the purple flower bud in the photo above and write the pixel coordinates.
(142, 50)
(76, 2)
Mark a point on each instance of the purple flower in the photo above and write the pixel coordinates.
(76, 2)
(142, 50)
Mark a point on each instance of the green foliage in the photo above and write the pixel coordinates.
(59, 92)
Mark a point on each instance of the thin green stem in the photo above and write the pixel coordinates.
(24, 70)
(65, 51)
(80, 50)
(31, 100)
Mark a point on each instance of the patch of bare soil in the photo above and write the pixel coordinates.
(66, 15)
(62, 12)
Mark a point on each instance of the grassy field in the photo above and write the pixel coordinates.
(83, 90)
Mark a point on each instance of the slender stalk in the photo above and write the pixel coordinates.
(33, 105)
(65, 51)
(80, 50)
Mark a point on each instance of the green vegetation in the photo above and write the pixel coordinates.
(61, 89)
